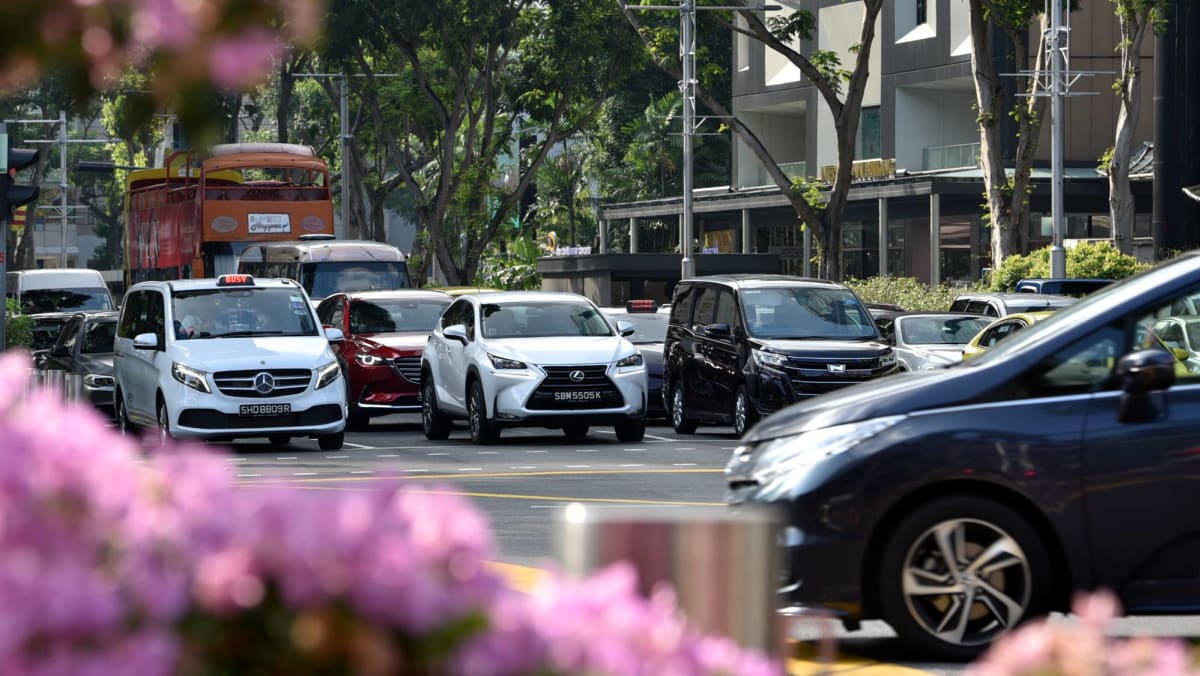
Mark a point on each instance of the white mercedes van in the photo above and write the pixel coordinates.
(227, 358)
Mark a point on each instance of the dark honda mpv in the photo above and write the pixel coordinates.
(955, 504)
(740, 347)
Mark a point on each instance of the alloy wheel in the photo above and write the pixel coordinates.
(965, 581)
(739, 413)
(474, 414)
(163, 432)
(677, 406)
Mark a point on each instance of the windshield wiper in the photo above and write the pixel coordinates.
(243, 334)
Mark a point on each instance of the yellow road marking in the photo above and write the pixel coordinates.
(484, 475)
(518, 496)
(802, 660)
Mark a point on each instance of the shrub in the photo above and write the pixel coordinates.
(118, 564)
(1084, 260)
(907, 292)
(18, 330)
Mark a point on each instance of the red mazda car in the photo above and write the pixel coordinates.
(381, 356)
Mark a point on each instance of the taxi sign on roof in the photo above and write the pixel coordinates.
(235, 280)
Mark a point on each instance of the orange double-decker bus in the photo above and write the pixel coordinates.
(193, 217)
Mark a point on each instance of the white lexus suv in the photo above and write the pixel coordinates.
(531, 358)
(227, 358)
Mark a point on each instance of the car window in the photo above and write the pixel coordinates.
(706, 308)
(98, 337)
(337, 315)
(325, 310)
(132, 314)
(539, 319)
(1000, 331)
(939, 330)
(70, 334)
(156, 317)
(241, 312)
(959, 305)
(681, 308)
(979, 307)
(802, 312)
(727, 312)
(395, 315)
(647, 328)
(455, 314)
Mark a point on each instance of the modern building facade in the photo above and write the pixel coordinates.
(918, 209)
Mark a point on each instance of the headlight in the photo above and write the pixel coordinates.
(505, 363)
(193, 378)
(887, 359)
(327, 374)
(634, 359)
(782, 461)
(773, 359)
(369, 359)
(96, 380)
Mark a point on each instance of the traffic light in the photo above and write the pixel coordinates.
(12, 194)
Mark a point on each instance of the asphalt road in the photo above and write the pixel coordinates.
(524, 482)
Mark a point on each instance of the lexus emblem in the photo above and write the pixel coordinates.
(836, 368)
(264, 383)
(577, 376)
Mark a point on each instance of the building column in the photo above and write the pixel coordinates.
(633, 235)
(603, 236)
(883, 236)
(747, 240)
(807, 252)
(935, 238)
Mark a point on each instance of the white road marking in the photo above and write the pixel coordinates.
(685, 464)
(337, 457)
(634, 450)
(684, 448)
(248, 475)
(524, 467)
(537, 451)
(437, 454)
(290, 457)
(585, 450)
(304, 473)
(387, 456)
(347, 443)
(489, 452)
(729, 448)
(416, 470)
(361, 471)
(658, 438)
(470, 469)
(398, 448)
(634, 465)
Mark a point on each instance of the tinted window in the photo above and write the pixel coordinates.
(939, 330)
(70, 334)
(156, 317)
(130, 313)
(647, 327)
(706, 308)
(540, 320)
(98, 336)
(455, 314)
(805, 312)
(337, 315)
(64, 300)
(394, 315)
(959, 305)
(727, 310)
(999, 332)
(46, 331)
(681, 307)
(327, 278)
(242, 311)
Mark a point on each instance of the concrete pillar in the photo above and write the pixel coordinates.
(883, 236)
(807, 252)
(747, 237)
(935, 238)
(633, 235)
(603, 236)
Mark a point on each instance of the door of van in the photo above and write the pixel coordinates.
(699, 369)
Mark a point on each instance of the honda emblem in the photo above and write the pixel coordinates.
(836, 368)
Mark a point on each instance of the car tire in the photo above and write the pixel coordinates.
(631, 431)
(744, 413)
(279, 439)
(164, 422)
(678, 412)
(434, 423)
(575, 431)
(483, 429)
(123, 425)
(922, 592)
(331, 442)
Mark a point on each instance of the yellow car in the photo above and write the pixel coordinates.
(1001, 328)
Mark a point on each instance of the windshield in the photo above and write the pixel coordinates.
(803, 312)
(939, 330)
(647, 327)
(322, 280)
(395, 315)
(98, 336)
(45, 332)
(36, 301)
(242, 311)
(543, 320)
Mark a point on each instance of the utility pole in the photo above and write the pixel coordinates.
(1057, 83)
(687, 87)
(62, 182)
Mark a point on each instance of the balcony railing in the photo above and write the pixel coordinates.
(794, 169)
(950, 157)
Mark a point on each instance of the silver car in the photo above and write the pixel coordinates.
(924, 341)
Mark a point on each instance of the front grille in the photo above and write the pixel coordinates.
(241, 383)
(558, 383)
(810, 377)
(210, 419)
(409, 368)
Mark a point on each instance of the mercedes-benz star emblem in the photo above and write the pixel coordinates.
(264, 383)
(576, 376)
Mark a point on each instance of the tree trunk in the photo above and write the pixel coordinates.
(1121, 205)
(1029, 131)
(989, 99)
(283, 111)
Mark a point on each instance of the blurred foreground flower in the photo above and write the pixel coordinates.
(114, 564)
(1079, 646)
(192, 49)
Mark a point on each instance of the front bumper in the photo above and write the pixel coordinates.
(775, 388)
(216, 416)
(386, 388)
(524, 398)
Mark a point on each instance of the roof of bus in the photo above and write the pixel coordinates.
(139, 177)
(263, 159)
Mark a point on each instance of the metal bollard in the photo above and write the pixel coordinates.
(723, 565)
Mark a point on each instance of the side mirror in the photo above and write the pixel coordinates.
(145, 341)
(717, 331)
(60, 351)
(625, 328)
(456, 332)
(334, 335)
(1146, 371)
